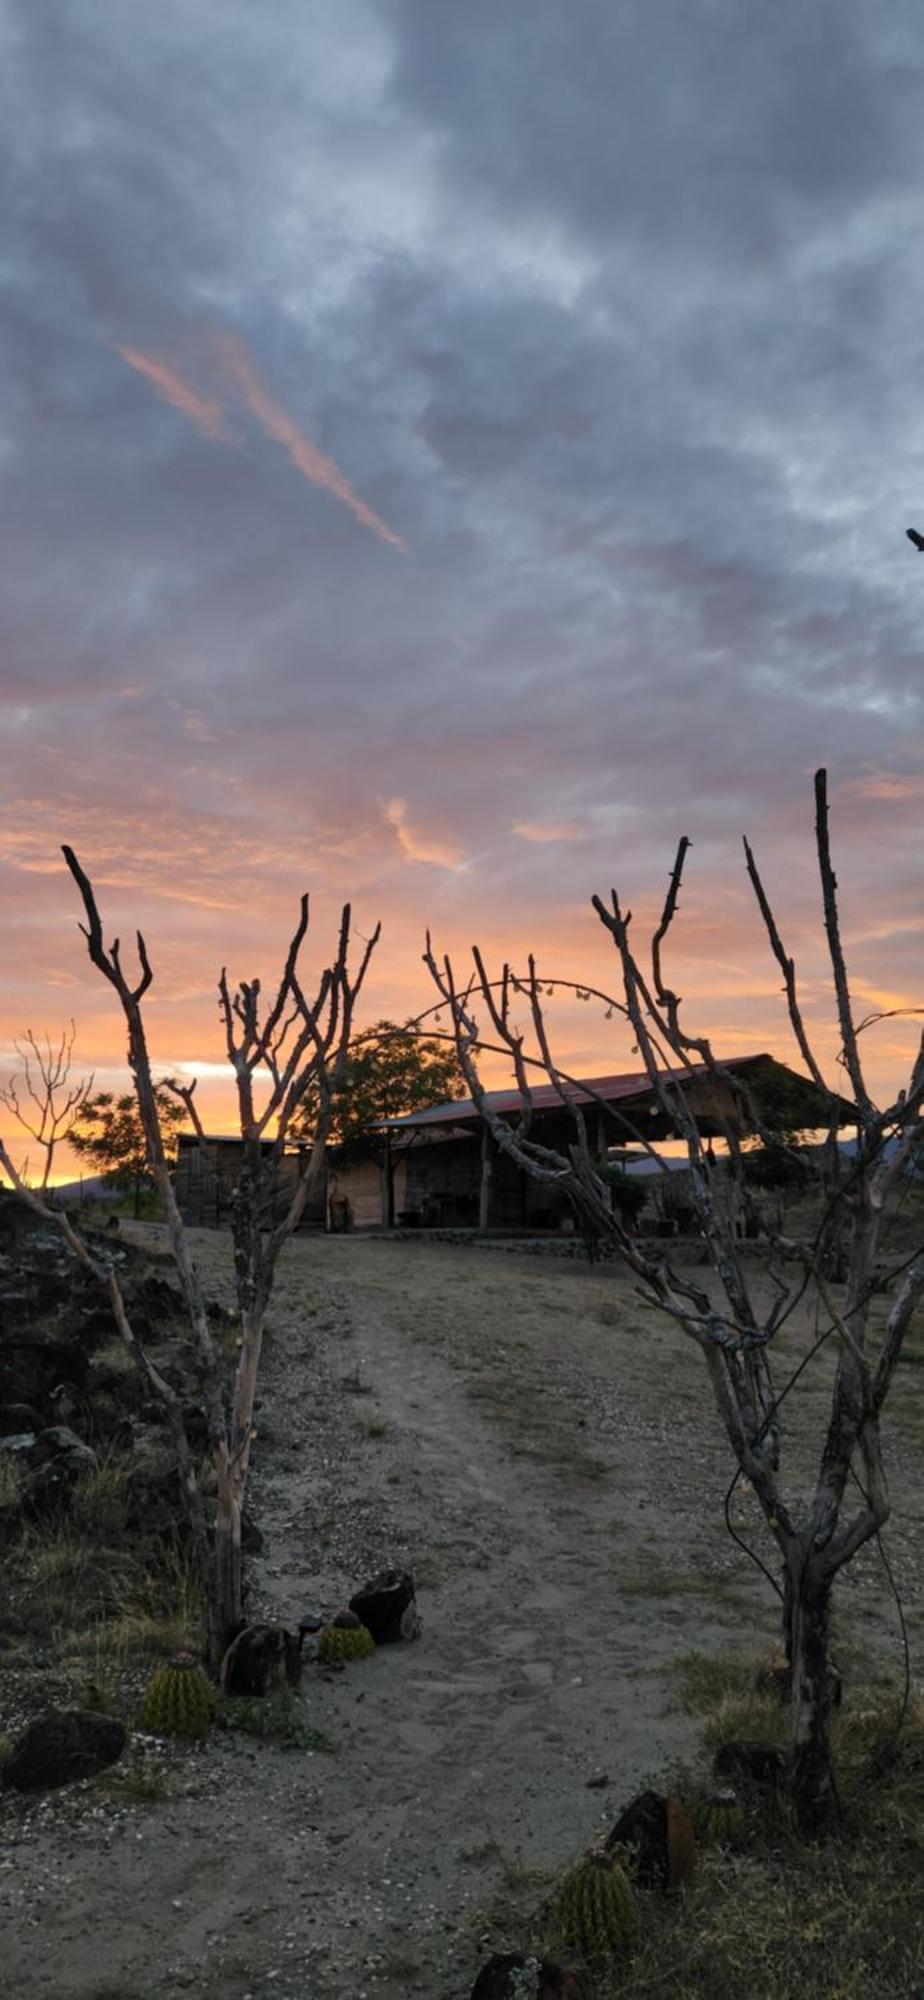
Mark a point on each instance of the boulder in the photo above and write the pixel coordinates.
(60, 1746)
(387, 1607)
(660, 1831)
(62, 1445)
(260, 1656)
(57, 1457)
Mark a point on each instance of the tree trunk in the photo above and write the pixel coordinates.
(813, 1789)
(227, 1608)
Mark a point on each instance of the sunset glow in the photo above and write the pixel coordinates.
(438, 480)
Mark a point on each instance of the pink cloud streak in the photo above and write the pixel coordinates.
(208, 416)
(305, 456)
(205, 413)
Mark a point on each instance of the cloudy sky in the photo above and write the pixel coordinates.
(448, 452)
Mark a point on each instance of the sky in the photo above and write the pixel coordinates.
(447, 454)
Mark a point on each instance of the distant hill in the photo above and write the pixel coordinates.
(93, 1187)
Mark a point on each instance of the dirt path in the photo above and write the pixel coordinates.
(543, 1457)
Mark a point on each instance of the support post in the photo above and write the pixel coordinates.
(389, 1182)
(487, 1176)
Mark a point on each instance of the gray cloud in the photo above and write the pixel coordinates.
(613, 318)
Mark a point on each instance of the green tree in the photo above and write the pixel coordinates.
(389, 1072)
(108, 1131)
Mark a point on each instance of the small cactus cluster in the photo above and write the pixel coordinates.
(720, 1821)
(339, 1642)
(595, 1913)
(178, 1700)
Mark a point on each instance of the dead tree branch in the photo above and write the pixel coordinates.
(297, 1042)
(56, 1102)
(737, 1333)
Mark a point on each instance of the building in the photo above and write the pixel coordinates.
(207, 1173)
(445, 1170)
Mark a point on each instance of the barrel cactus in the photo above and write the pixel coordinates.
(595, 1913)
(344, 1642)
(720, 1820)
(178, 1700)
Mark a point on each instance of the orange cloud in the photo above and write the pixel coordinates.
(417, 845)
(204, 412)
(546, 830)
(886, 785)
(305, 456)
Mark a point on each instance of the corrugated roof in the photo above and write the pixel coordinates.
(613, 1090)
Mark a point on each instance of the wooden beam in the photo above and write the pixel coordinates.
(487, 1176)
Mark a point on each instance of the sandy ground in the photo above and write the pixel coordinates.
(543, 1456)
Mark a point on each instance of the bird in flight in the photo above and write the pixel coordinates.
(917, 539)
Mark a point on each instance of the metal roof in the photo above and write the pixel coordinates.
(635, 1084)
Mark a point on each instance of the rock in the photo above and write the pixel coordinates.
(381, 1605)
(411, 1625)
(312, 1621)
(57, 1458)
(661, 1832)
(60, 1746)
(508, 1974)
(252, 1538)
(643, 1825)
(63, 1445)
(19, 1445)
(258, 1656)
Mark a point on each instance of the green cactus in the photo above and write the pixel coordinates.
(179, 1699)
(595, 1913)
(721, 1821)
(344, 1642)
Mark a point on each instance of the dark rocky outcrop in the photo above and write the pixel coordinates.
(60, 1746)
(67, 1390)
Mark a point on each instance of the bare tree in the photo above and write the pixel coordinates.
(734, 1333)
(43, 1100)
(301, 1043)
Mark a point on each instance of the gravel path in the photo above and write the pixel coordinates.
(542, 1455)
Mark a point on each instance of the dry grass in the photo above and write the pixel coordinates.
(780, 1920)
(162, 1613)
(64, 1583)
(12, 1481)
(89, 1602)
(371, 1426)
(99, 1497)
(140, 1777)
(784, 1920)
